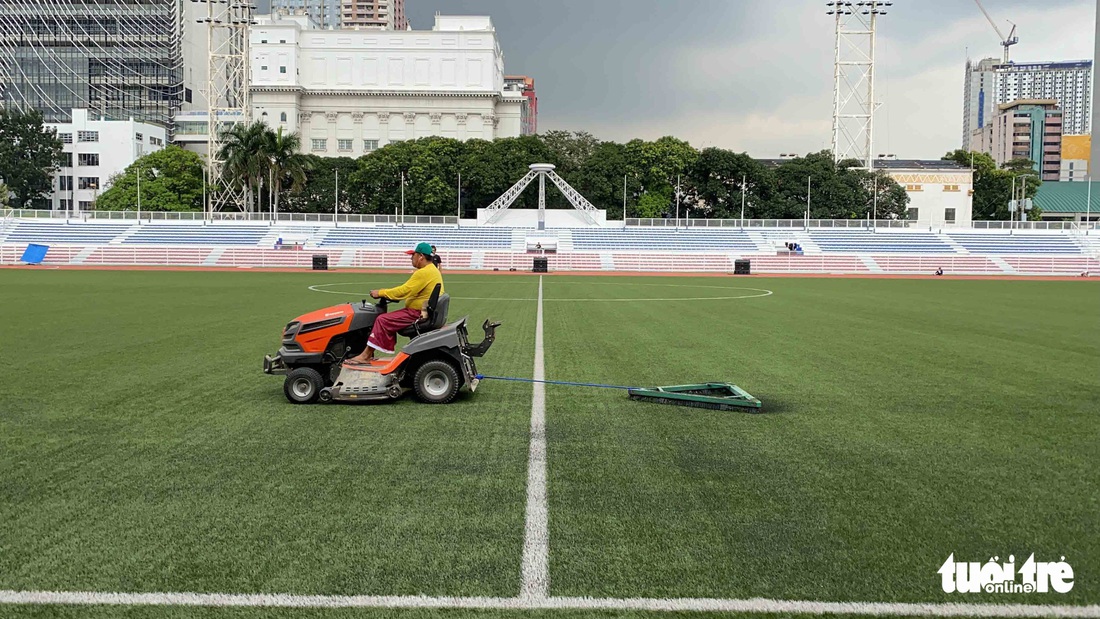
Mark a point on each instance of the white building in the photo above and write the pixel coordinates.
(990, 83)
(940, 192)
(95, 150)
(349, 92)
(358, 90)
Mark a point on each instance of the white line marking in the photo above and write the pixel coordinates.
(755, 605)
(758, 293)
(535, 569)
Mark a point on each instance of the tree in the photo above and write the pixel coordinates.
(717, 175)
(5, 195)
(286, 163)
(993, 186)
(318, 193)
(244, 158)
(171, 180)
(571, 149)
(29, 155)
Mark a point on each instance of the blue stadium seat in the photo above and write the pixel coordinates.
(1015, 244)
(65, 234)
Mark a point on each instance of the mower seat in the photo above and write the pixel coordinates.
(437, 308)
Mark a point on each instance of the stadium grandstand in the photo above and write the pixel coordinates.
(775, 246)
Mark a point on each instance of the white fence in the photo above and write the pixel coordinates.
(248, 257)
(439, 220)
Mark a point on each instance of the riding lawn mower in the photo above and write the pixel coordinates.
(436, 363)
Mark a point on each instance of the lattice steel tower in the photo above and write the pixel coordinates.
(227, 93)
(854, 79)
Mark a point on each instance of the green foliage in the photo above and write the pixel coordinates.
(710, 180)
(319, 187)
(171, 180)
(29, 155)
(257, 157)
(993, 186)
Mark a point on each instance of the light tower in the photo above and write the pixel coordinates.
(227, 92)
(854, 79)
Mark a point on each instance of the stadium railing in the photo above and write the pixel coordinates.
(435, 220)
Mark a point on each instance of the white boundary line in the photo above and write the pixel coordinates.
(535, 569)
(755, 605)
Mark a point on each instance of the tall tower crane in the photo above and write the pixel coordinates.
(1006, 42)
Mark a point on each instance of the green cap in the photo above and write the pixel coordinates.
(422, 248)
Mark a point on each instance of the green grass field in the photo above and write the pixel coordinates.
(143, 450)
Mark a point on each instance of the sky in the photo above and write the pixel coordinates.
(757, 75)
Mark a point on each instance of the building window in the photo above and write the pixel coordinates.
(139, 137)
(88, 159)
(949, 215)
(263, 41)
(282, 117)
(87, 136)
(263, 67)
(343, 146)
(320, 145)
(66, 160)
(66, 138)
(914, 188)
(369, 146)
(88, 182)
(950, 187)
(282, 69)
(187, 95)
(282, 40)
(85, 205)
(66, 204)
(913, 214)
(65, 183)
(156, 141)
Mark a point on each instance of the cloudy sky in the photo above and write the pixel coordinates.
(756, 75)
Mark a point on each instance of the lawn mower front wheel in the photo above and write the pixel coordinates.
(303, 385)
(436, 382)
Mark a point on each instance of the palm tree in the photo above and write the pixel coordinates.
(242, 154)
(286, 162)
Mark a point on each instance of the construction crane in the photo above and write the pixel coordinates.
(1006, 42)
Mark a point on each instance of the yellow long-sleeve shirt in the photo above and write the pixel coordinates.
(418, 289)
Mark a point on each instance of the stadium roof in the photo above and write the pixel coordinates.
(1067, 197)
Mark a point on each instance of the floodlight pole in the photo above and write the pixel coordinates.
(624, 200)
(336, 200)
(808, 179)
(1088, 206)
(875, 207)
(744, 177)
(139, 193)
(460, 196)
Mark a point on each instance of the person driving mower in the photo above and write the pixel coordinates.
(415, 293)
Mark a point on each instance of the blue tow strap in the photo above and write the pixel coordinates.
(552, 382)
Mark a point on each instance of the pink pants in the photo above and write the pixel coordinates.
(383, 336)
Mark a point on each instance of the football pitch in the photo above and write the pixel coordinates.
(143, 451)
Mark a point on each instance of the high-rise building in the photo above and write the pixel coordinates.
(384, 14)
(990, 83)
(119, 59)
(526, 85)
(325, 12)
(1025, 129)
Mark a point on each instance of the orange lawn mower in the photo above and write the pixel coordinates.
(436, 363)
